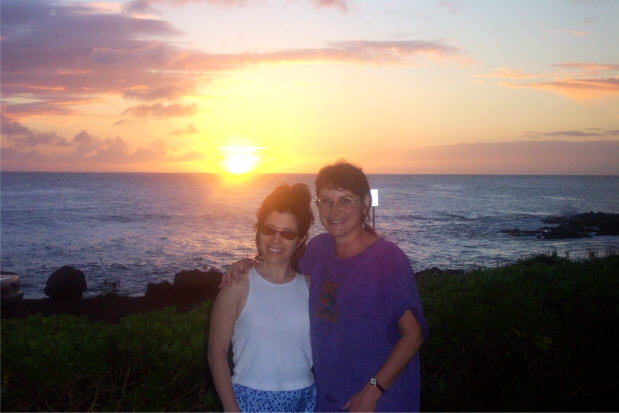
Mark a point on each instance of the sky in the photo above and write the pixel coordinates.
(287, 86)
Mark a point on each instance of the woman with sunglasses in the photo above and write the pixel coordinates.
(265, 316)
(366, 318)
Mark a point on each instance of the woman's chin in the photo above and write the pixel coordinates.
(276, 259)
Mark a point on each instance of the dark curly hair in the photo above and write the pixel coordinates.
(296, 200)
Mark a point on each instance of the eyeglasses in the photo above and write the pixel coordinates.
(286, 234)
(343, 202)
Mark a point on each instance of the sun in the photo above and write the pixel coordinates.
(238, 160)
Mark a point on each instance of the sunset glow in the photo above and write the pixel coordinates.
(439, 86)
(239, 159)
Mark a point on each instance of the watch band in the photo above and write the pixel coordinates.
(375, 383)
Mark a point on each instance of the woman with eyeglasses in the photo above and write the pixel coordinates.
(366, 317)
(265, 316)
(367, 322)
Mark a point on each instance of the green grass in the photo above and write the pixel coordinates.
(540, 335)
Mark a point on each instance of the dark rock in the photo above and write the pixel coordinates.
(436, 270)
(574, 226)
(158, 290)
(113, 307)
(65, 282)
(568, 230)
(521, 233)
(599, 223)
(196, 283)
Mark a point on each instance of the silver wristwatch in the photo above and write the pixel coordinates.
(375, 383)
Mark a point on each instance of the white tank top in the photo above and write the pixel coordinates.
(271, 338)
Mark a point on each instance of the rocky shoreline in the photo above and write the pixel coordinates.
(189, 290)
(192, 288)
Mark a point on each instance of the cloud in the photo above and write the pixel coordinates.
(572, 133)
(577, 88)
(23, 149)
(159, 110)
(598, 67)
(359, 51)
(161, 93)
(506, 73)
(147, 5)
(337, 4)
(63, 56)
(451, 6)
(587, 133)
(22, 136)
(590, 81)
(574, 33)
(590, 20)
(515, 157)
(187, 157)
(190, 129)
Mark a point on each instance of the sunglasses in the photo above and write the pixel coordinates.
(286, 234)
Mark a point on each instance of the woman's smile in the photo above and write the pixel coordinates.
(273, 243)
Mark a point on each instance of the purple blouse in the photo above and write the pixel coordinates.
(355, 304)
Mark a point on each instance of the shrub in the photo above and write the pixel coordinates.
(539, 335)
(147, 362)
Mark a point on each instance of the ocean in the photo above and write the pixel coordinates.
(132, 228)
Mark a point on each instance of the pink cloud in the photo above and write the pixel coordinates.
(516, 157)
(361, 52)
(337, 4)
(147, 5)
(187, 157)
(588, 82)
(575, 33)
(22, 136)
(23, 150)
(589, 66)
(506, 73)
(190, 129)
(575, 88)
(159, 110)
(75, 52)
(149, 94)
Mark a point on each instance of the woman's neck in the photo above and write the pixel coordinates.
(353, 243)
(276, 273)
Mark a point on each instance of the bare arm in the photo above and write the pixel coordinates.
(226, 309)
(411, 337)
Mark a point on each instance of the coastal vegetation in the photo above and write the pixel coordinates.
(537, 335)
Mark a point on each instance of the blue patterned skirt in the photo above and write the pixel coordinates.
(251, 400)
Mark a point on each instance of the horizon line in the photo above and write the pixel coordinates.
(309, 173)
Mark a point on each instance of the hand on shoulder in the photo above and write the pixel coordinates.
(238, 271)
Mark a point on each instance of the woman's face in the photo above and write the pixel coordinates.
(341, 211)
(273, 242)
